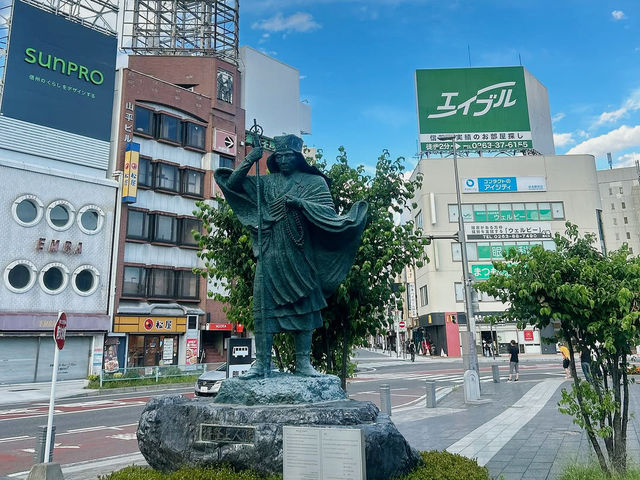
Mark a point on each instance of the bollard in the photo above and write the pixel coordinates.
(385, 399)
(431, 393)
(41, 439)
(496, 373)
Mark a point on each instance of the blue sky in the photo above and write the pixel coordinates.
(357, 60)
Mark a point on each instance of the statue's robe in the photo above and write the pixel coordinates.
(307, 250)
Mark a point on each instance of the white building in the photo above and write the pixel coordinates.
(498, 215)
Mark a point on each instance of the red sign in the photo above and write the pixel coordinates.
(528, 335)
(401, 324)
(60, 330)
(224, 327)
(224, 142)
(148, 324)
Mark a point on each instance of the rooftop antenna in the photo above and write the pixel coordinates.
(519, 58)
(610, 160)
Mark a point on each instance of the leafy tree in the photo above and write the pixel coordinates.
(357, 309)
(593, 302)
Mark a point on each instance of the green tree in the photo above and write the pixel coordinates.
(357, 309)
(592, 300)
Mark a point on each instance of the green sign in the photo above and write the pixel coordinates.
(485, 108)
(482, 271)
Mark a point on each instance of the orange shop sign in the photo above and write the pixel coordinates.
(149, 324)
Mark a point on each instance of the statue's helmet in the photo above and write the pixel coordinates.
(286, 144)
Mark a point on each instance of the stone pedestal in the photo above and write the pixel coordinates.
(175, 431)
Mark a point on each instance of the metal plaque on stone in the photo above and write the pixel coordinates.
(312, 453)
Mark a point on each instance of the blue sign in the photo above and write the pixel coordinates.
(497, 184)
(59, 74)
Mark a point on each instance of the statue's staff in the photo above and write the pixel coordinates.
(256, 132)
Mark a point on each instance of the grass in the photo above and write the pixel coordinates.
(95, 383)
(593, 472)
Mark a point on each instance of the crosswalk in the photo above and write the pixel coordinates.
(454, 378)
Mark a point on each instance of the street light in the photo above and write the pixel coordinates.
(470, 358)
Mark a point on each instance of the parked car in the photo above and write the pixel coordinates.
(209, 382)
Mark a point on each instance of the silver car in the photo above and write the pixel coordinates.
(208, 384)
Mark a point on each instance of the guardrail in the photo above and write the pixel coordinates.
(154, 373)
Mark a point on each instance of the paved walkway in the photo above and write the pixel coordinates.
(519, 433)
(41, 392)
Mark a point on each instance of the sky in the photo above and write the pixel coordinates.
(357, 60)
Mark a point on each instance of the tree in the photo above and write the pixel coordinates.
(593, 301)
(357, 309)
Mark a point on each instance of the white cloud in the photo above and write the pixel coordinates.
(631, 104)
(618, 15)
(557, 117)
(583, 134)
(613, 141)
(298, 22)
(563, 139)
(627, 160)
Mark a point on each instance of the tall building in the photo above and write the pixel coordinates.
(620, 194)
(58, 202)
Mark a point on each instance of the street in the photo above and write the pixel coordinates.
(103, 426)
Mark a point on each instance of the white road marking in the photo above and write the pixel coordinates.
(15, 439)
(124, 436)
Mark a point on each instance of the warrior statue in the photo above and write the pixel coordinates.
(307, 248)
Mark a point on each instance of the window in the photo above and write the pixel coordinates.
(187, 225)
(456, 252)
(617, 236)
(615, 221)
(145, 172)
(138, 225)
(631, 250)
(624, 205)
(187, 283)
(626, 220)
(135, 281)
(194, 135)
(164, 229)
(620, 189)
(544, 210)
(169, 128)
(19, 276)
(453, 213)
(166, 177)
(532, 211)
(506, 213)
(90, 219)
(85, 280)
(161, 283)
(424, 296)
(557, 210)
(610, 191)
(27, 210)
(628, 236)
(54, 278)
(418, 219)
(479, 212)
(493, 214)
(143, 121)
(192, 183)
(60, 215)
(519, 213)
(613, 207)
(226, 162)
(224, 81)
(459, 291)
(467, 213)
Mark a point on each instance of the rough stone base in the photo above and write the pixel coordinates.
(279, 389)
(46, 471)
(169, 434)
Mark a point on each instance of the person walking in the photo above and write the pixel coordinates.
(585, 362)
(513, 360)
(566, 360)
(412, 351)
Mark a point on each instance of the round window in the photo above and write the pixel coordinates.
(54, 278)
(90, 219)
(85, 280)
(27, 210)
(60, 215)
(20, 276)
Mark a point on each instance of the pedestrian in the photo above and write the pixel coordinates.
(513, 360)
(412, 351)
(585, 362)
(566, 360)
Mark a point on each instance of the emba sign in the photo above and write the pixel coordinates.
(59, 74)
(486, 108)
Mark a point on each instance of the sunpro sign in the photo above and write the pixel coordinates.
(485, 108)
(59, 74)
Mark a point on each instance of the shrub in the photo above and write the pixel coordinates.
(218, 473)
(594, 472)
(447, 466)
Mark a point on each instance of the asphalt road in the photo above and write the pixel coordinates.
(104, 426)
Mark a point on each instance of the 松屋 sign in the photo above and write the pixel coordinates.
(485, 108)
(504, 184)
(507, 231)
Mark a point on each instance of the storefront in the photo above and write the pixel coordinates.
(215, 340)
(151, 341)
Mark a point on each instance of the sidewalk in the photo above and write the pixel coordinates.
(40, 392)
(519, 433)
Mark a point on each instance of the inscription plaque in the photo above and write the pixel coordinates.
(239, 435)
(312, 453)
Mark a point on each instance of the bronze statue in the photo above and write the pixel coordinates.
(307, 248)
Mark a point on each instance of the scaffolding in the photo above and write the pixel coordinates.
(181, 27)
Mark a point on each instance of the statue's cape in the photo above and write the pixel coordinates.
(335, 238)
